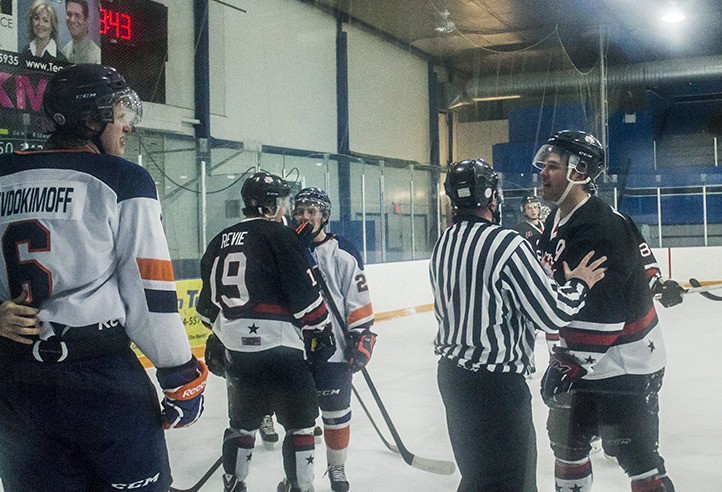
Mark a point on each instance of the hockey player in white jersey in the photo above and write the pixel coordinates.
(85, 271)
(342, 267)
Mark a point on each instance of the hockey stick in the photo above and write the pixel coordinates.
(390, 446)
(440, 467)
(696, 287)
(200, 483)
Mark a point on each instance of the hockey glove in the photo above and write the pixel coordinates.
(183, 388)
(304, 231)
(215, 356)
(669, 291)
(559, 379)
(359, 349)
(320, 345)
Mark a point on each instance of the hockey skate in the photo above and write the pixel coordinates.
(318, 435)
(232, 484)
(337, 476)
(268, 433)
(287, 486)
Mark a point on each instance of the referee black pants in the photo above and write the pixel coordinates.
(490, 424)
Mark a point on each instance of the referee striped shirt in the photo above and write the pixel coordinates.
(490, 292)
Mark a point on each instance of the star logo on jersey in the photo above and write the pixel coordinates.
(576, 488)
(590, 360)
(558, 487)
(254, 329)
(309, 460)
(651, 347)
(248, 456)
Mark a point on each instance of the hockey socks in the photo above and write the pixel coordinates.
(337, 445)
(573, 475)
(298, 457)
(237, 452)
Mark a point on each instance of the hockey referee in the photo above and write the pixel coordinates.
(489, 292)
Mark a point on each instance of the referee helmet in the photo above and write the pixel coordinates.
(471, 184)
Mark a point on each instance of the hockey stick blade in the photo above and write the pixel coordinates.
(203, 479)
(696, 287)
(439, 467)
(391, 447)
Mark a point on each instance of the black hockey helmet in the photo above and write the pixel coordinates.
(585, 153)
(88, 90)
(264, 191)
(471, 184)
(529, 199)
(317, 197)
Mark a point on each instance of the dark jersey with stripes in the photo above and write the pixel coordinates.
(490, 292)
(258, 290)
(617, 332)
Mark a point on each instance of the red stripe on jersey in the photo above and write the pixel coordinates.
(641, 324)
(153, 269)
(316, 316)
(270, 309)
(576, 338)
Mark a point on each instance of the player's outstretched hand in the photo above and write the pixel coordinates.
(359, 349)
(183, 388)
(669, 291)
(18, 321)
(320, 345)
(589, 273)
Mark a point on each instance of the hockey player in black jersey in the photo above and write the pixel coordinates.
(85, 271)
(342, 267)
(605, 376)
(261, 301)
(489, 294)
(531, 227)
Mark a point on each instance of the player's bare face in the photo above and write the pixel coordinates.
(553, 176)
(531, 211)
(41, 26)
(113, 137)
(308, 213)
(76, 20)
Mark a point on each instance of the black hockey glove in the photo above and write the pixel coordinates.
(359, 349)
(669, 291)
(183, 388)
(559, 379)
(305, 234)
(320, 345)
(215, 356)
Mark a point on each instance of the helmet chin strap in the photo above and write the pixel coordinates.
(570, 184)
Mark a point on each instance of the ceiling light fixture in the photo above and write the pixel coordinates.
(495, 98)
(448, 26)
(673, 14)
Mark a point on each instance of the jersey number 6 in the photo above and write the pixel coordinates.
(27, 275)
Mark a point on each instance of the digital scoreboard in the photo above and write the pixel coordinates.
(134, 39)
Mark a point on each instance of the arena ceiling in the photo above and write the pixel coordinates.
(466, 35)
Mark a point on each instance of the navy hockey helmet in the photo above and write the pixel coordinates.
(317, 197)
(585, 153)
(264, 191)
(529, 199)
(78, 92)
(471, 184)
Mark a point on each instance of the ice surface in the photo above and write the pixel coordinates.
(404, 371)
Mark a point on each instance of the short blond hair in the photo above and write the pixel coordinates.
(35, 9)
